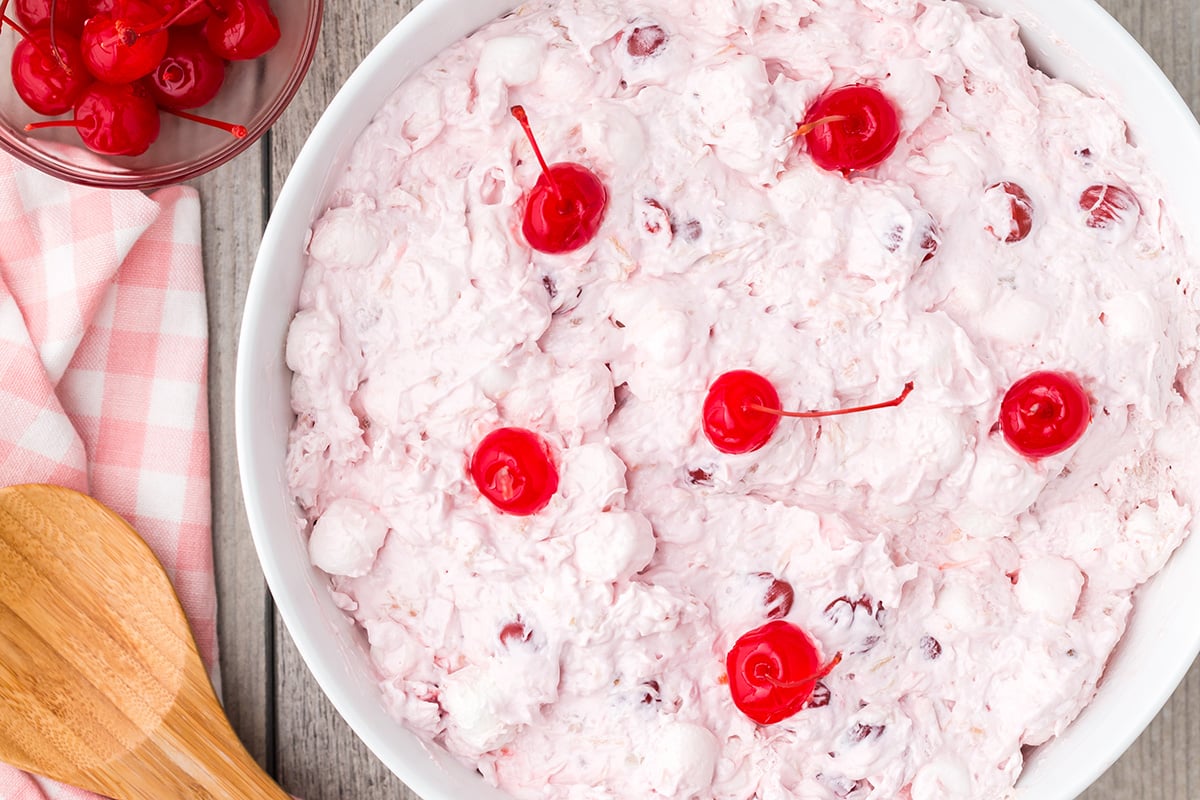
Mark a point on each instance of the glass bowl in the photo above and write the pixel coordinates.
(254, 94)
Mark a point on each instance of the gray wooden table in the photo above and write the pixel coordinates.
(274, 703)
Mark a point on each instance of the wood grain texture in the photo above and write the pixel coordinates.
(233, 215)
(126, 709)
(317, 757)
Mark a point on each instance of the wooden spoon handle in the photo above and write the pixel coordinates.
(196, 754)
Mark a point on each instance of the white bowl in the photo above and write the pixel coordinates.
(1071, 39)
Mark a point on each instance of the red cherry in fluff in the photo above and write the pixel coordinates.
(1044, 413)
(513, 469)
(564, 209)
(850, 128)
(742, 411)
(773, 670)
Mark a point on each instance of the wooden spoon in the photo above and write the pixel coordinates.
(101, 685)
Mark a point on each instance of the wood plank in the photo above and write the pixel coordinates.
(318, 756)
(232, 218)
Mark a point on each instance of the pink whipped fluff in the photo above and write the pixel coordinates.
(974, 594)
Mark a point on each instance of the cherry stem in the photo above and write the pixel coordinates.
(125, 35)
(16, 26)
(809, 127)
(238, 131)
(27, 36)
(519, 115)
(53, 40)
(165, 22)
(895, 401)
(825, 670)
(52, 123)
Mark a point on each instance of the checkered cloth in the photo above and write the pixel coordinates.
(103, 369)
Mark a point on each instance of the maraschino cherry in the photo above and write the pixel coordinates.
(1020, 212)
(515, 632)
(514, 470)
(95, 7)
(128, 43)
(49, 85)
(114, 119)
(189, 75)
(773, 670)
(778, 597)
(185, 13)
(1107, 206)
(742, 411)
(242, 29)
(1044, 413)
(564, 209)
(850, 128)
(68, 14)
(124, 46)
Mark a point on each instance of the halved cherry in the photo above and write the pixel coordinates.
(1017, 220)
(1107, 206)
(515, 632)
(646, 40)
(778, 597)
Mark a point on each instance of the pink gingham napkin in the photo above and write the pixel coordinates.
(103, 373)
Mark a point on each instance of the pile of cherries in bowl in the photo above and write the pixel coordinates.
(116, 65)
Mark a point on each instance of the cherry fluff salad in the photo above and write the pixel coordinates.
(743, 399)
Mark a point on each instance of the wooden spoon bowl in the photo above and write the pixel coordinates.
(101, 685)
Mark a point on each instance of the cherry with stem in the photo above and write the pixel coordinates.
(850, 128)
(115, 50)
(113, 119)
(49, 85)
(237, 131)
(564, 209)
(773, 671)
(742, 411)
(895, 401)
